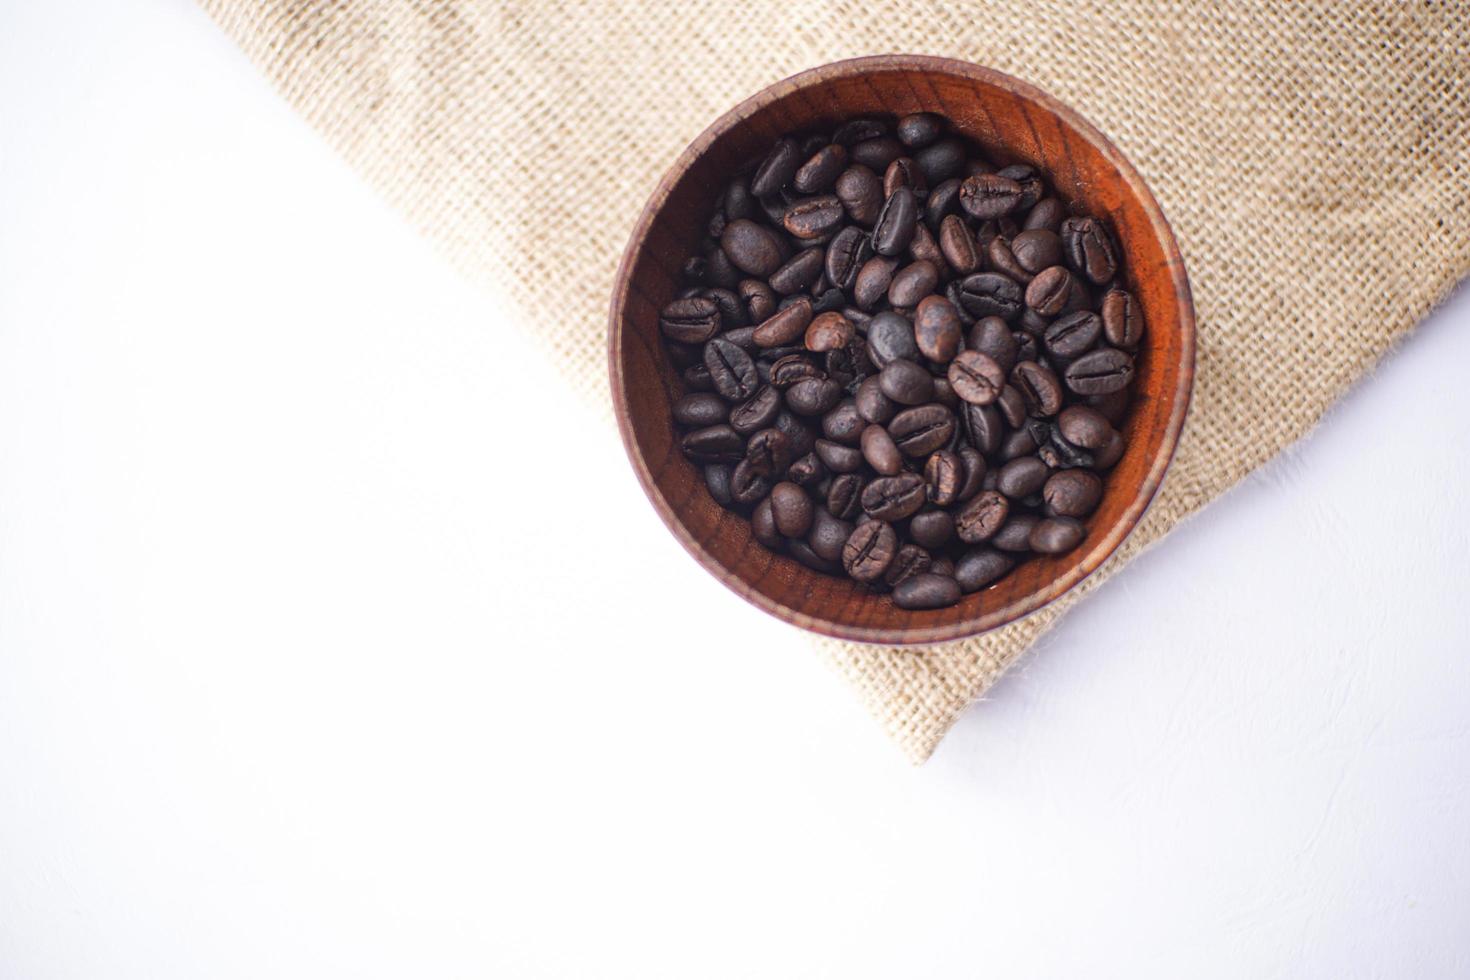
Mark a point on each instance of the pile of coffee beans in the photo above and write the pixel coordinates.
(905, 363)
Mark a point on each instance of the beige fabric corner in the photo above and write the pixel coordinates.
(1313, 158)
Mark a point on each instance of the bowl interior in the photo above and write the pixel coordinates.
(1012, 122)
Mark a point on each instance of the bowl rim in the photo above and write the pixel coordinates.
(1101, 548)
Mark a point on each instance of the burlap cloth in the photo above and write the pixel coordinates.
(1313, 158)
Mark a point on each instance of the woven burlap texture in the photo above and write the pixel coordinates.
(1313, 158)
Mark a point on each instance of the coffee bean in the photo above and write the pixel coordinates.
(849, 249)
(876, 154)
(1084, 426)
(732, 310)
(844, 496)
(892, 498)
(1038, 384)
(713, 444)
(690, 321)
(777, 169)
(1057, 535)
(976, 377)
(989, 196)
(912, 283)
(937, 330)
(813, 217)
(869, 550)
(982, 426)
(828, 535)
(903, 172)
(944, 475)
(814, 396)
(759, 299)
(1036, 249)
(699, 409)
(801, 436)
(974, 473)
(958, 246)
(839, 458)
(802, 552)
(802, 271)
(717, 479)
(751, 248)
(919, 431)
(747, 486)
(911, 560)
(792, 509)
(992, 337)
(894, 228)
(872, 404)
(1100, 372)
(1021, 477)
(696, 377)
(829, 331)
(979, 519)
(861, 194)
(1073, 335)
(858, 130)
(757, 412)
(991, 294)
(769, 452)
(926, 591)
(1122, 319)
(731, 370)
(1015, 535)
(808, 471)
(873, 280)
(1089, 249)
(931, 528)
(906, 382)
(1002, 261)
(1016, 444)
(1012, 406)
(918, 129)
(980, 567)
(891, 338)
(1049, 293)
(940, 161)
(763, 525)
(943, 201)
(821, 170)
(924, 248)
(1047, 214)
(791, 368)
(880, 452)
(1072, 493)
(1107, 457)
(843, 424)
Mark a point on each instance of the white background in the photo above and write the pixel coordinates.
(302, 676)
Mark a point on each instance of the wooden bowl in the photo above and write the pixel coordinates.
(1013, 122)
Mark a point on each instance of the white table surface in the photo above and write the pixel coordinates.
(297, 680)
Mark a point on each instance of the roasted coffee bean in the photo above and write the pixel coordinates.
(719, 270)
(903, 172)
(742, 337)
(802, 552)
(1073, 335)
(828, 535)
(876, 154)
(958, 246)
(891, 338)
(918, 129)
(751, 248)
(814, 396)
(906, 382)
(976, 377)
(924, 248)
(861, 194)
(813, 217)
(1057, 535)
(974, 473)
(785, 326)
(873, 280)
(699, 409)
(858, 130)
(777, 169)
(821, 170)
(1084, 426)
(943, 201)
(1016, 444)
(1038, 384)
(1048, 214)
(846, 253)
(1089, 249)
(1022, 477)
(763, 525)
(1012, 406)
(979, 519)
(989, 196)
(1002, 261)
(843, 424)
(747, 486)
(1036, 249)
(955, 295)
(757, 412)
(1015, 535)
(1029, 180)
(839, 458)
(1122, 319)
(912, 283)
(690, 321)
(880, 452)
(737, 201)
(792, 509)
(892, 498)
(894, 228)
(942, 160)
(992, 337)
(801, 271)
(769, 452)
(981, 567)
(1072, 493)
(713, 444)
(1060, 454)
(791, 368)
(844, 496)
(717, 479)
(982, 427)
(1107, 457)
(1100, 372)
(911, 560)
(931, 528)
(732, 310)
(869, 550)
(944, 475)
(808, 471)
(829, 301)
(696, 377)
(1049, 293)
(872, 404)
(759, 299)
(802, 438)
(731, 370)
(926, 591)
(829, 331)
(919, 431)
(937, 330)
(944, 394)
(991, 294)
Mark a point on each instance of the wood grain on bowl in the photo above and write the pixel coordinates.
(1015, 123)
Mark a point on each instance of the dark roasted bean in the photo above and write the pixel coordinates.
(931, 528)
(982, 426)
(1051, 290)
(714, 444)
(943, 201)
(892, 498)
(1072, 493)
(756, 412)
(926, 591)
(937, 331)
(911, 560)
(941, 161)
(991, 294)
(1107, 457)
(846, 253)
(763, 525)
(821, 170)
(813, 217)
(839, 458)
(1122, 319)
(777, 169)
(792, 509)
(1089, 249)
(747, 486)
(1036, 249)
(918, 129)
(976, 377)
(1047, 214)
(690, 321)
(974, 473)
(1021, 477)
(1100, 372)
(906, 382)
(989, 196)
(912, 283)
(1057, 535)
(869, 550)
(903, 172)
(894, 228)
(844, 496)
(1038, 384)
(751, 248)
(944, 474)
(731, 370)
(1015, 535)
(808, 471)
(828, 535)
(814, 396)
(829, 331)
(791, 368)
(919, 431)
(981, 567)
(992, 337)
(890, 338)
(799, 272)
(873, 279)
(1084, 426)
(876, 154)
(872, 404)
(958, 246)
(699, 409)
(769, 452)
(843, 424)
(880, 452)
(979, 519)
(1072, 335)
(861, 194)
(1002, 261)
(858, 130)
